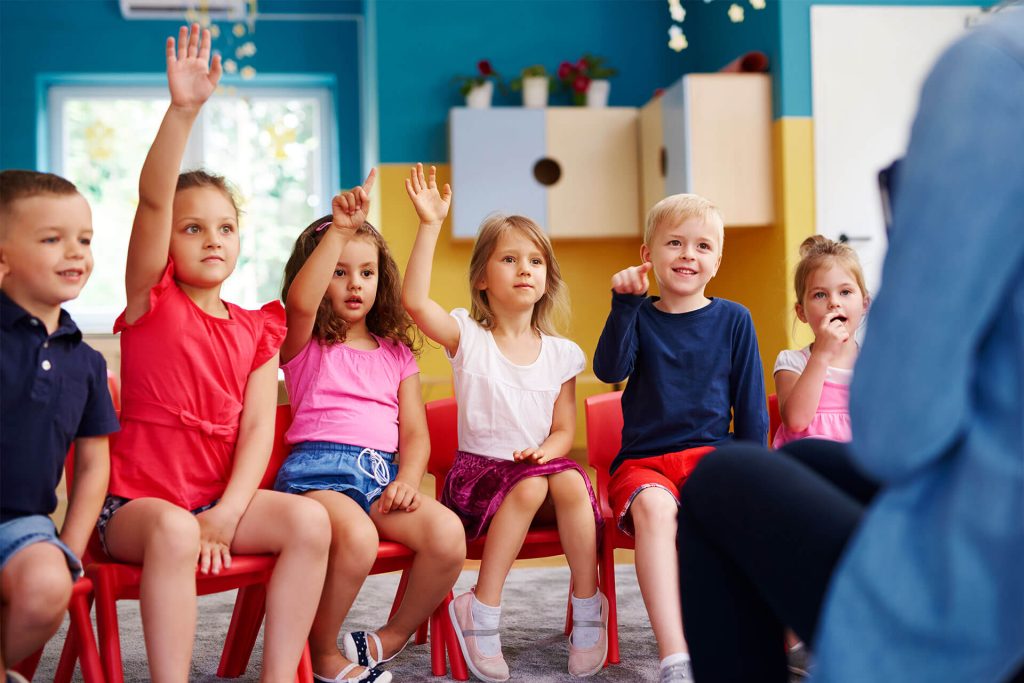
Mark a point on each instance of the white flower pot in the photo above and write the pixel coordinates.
(479, 97)
(535, 91)
(597, 93)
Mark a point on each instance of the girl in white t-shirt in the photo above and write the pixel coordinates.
(813, 383)
(515, 382)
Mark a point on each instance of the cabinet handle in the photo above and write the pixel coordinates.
(547, 171)
(844, 238)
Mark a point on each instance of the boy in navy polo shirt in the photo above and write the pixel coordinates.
(54, 392)
(693, 367)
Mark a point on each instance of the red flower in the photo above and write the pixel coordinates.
(582, 65)
(484, 66)
(581, 84)
(565, 69)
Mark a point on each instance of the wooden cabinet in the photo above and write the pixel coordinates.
(711, 134)
(573, 170)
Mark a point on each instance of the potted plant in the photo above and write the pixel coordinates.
(478, 89)
(587, 80)
(535, 85)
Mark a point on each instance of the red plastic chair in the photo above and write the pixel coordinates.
(79, 645)
(442, 422)
(774, 417)
(603, 414)
(114, 385)
(250, 605)
(115, 581)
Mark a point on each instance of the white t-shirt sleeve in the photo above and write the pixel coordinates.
(573, 360)
(468, 329)
(791, 360)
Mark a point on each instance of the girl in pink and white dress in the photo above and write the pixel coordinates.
(813, 383)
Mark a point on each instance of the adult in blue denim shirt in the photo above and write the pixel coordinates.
(922, 577)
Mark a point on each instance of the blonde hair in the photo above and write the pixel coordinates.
(554, 303)
(678, 208)
(817, 252)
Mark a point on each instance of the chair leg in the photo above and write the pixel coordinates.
(69, 657)
(106, 623)
(451, 641)
(250, 606)
(607, 559)
(81, 635)
(305, 672)
(438, 664)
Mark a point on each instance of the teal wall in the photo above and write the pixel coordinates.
(422, 44)
(43, 37)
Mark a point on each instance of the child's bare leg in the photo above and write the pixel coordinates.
(506, 535)
(353, 550)
(298, 532)
(36, 588)
(577, 529)
(654, 512)
(437, 537)
(164, 538)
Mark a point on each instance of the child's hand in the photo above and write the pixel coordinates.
(216, 530)
(531, 455)
(349, 209)
(190, 75)
(632, 280)
(431, 205)
(830, 336)
(399, 496)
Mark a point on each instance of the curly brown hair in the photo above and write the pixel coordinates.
(387, 318)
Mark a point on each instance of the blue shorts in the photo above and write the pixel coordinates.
(362, 474)
(21, 532)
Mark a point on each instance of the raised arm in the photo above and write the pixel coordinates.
(191, 78)
(432, 208)
(348, 213)
(617, 347)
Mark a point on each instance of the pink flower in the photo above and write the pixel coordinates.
(484, 66)
(581, 84)
(565, 69)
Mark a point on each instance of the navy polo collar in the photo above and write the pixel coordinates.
(11, 314)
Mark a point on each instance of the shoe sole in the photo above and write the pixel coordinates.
(465, 650)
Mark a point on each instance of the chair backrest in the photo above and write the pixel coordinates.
(114, 385)
(774, 417)
(443, 425)
(280, 449)
(603, 414)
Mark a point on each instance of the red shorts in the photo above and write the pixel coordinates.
(667, 471)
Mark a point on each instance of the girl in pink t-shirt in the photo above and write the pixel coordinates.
(355, 393)
(813, 383)
(200, 389)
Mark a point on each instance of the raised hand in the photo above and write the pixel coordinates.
(349, 209)
(431, 205)
(632, 280)
(191, 76)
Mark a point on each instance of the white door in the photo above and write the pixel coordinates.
(868, 65)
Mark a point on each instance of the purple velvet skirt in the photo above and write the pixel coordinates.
(476, 486)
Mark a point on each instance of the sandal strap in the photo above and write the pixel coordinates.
(480, 632)
(585, 623)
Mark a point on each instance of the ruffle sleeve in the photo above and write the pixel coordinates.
(156, 295)
(274, 331)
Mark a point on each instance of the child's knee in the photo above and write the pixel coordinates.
(354, 540)
(653, 510)
(446, 538)
(308, 525)
(174, 537)
(529, 492)
(41, 589)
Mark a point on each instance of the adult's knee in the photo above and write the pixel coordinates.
(173, 537)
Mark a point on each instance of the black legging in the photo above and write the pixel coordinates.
(760, 533)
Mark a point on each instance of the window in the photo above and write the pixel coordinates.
(273, 145)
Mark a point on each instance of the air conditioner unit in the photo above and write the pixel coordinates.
(176, 9)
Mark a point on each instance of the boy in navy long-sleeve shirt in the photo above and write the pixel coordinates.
(693, 367)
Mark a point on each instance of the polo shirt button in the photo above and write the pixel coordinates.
(33, 322)
(46, 344)
(47, 365)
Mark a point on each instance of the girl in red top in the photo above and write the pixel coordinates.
(200, 387)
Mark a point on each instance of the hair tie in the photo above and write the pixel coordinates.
(322, 226)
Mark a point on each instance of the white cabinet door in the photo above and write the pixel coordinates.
(493, 154)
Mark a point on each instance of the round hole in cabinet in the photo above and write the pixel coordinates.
(547, 171)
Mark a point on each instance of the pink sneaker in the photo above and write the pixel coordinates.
(587, 661)
(490, 668)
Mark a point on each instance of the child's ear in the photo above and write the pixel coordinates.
(645, 253)
(800, 313)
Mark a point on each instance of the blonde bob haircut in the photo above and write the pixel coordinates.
(678, 208)
(552, 306)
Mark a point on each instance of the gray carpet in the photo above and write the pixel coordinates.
(534, 613)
